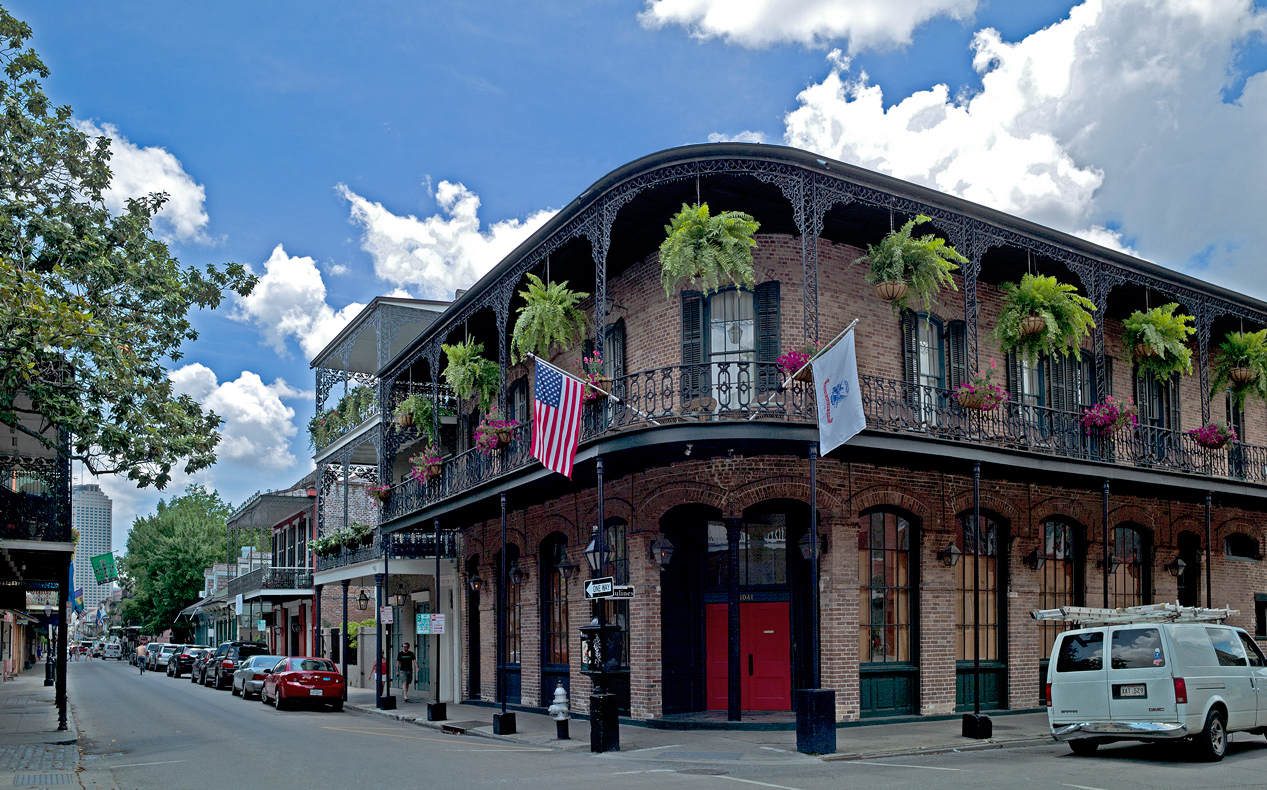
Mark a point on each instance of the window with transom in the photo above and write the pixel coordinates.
(886, 590)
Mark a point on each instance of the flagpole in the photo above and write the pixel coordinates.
(788, 381)
(595, 387)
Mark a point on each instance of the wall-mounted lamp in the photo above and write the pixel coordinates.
(475, 583)
(689, 445)
(1177, 567)
(662, 552)
(1108, 570)
(517, 575)
(399, 599)
(597, 560)
(1034, 560)
(362, 601)
(949, 556)
(566, 567)
(807, 548)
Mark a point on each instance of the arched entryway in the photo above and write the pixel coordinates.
(888, 609)
(555, 637)
(1189, 581)
(1130, 577)
(981, 611)
(1060, 561)
(512, 639)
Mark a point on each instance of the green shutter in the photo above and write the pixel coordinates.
(956, 355)
(767, 304)
(694, 379)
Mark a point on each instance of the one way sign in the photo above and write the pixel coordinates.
(600, 588)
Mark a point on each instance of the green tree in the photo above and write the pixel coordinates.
(166, 555)
(92, 306)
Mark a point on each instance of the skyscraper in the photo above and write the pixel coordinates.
(90, 515)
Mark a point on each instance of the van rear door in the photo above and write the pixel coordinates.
(1078, 688)
(1140, 683)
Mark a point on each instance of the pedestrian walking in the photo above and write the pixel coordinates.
(405, 666)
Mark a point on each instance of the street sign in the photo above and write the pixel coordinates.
(385, 615)
(622, 592)
(430, 624)
(599, 588)
(423, 624)
(103, 568)
(262, 625)
(437, 624)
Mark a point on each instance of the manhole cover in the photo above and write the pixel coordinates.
(704, 771)
(40, 780)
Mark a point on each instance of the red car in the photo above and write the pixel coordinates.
(296, 680)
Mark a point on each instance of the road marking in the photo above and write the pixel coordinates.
(648, 771)
(652, 749)
(753, 782)
(539, 749)
(921, 767)
(139, 765)
(1081, 787)
(434, 740)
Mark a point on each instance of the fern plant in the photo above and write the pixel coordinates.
(1243, 351)
(550, 318)
(1163, 335)
(1066, 316)
(704, 249)
(924, 264)
(470, 374)
(423, 411)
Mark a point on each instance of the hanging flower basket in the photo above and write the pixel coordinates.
(1213, 436)
(494, 434)
(1107, 418)
(1032, 325)
(1241, 375)
(381, 493)
(405, 420)
(793, 362)
(981, 393)
(426, 465)
(1143, 351)
(593, 372)
(888, 291)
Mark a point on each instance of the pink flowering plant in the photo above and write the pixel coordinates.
(1213, 436)
(593, 365)
(795, 359)
(493, 433)
(980, 392)
(1111, 416)
(425, 465)
(382, 493)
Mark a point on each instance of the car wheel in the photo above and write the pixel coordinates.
(338, 705)
(282, 703)
(1084, 747)
(1211, 742)
(233, 688)
(263, 697)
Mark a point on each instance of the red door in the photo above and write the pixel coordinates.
(765, 667)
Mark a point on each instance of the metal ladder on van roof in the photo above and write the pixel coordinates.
(1088, 616)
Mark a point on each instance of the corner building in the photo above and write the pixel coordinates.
(706, 449)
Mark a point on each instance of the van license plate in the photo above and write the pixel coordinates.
(1134, 691)
(319, 692)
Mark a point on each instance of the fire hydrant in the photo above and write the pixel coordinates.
(560, 713)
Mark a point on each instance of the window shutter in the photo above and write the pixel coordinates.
(693, 378)
(1172, 413)
(1060, 374)
(1108, 378)
(767, 299)
(910, 357)
(1142, 401)
(956, 355)
(615, 357)
(1014, 373)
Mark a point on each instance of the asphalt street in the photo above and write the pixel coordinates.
(156, 732)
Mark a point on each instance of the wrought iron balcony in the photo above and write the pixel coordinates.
(34, 499)
(403, 546)
(271, 579)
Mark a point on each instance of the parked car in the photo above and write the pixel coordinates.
(1149, 681)
(113, 650)
(183, 660)
(248, 678)
(198, 669)
(303, 680)
(161, 656)
(218, 672)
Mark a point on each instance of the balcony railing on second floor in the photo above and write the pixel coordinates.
(34, 499)
(403, 545)
(271, 579)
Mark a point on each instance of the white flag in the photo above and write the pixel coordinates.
(840, 413)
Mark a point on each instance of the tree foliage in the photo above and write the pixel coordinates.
(92, 306)
(703, 249)
(550, 318)
(1066, 316)
(1165, 334)
(166, 555)
(923, 263)
(1241, 350)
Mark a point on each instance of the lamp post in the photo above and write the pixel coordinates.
(603, 640)
(436, 711)
(974, 724)
(815, 706)
(503, 723)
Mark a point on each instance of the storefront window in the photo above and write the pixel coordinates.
(884, 549)
(984, 578)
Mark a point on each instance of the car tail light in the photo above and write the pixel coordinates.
(1047, 695)
(257, 677)
(226, 665)
(1181, 691)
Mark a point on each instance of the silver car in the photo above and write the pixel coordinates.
(160, 660)
(248, 678)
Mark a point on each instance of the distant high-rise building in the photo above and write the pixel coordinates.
(90, 514)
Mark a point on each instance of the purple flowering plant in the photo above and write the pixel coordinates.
(493, 433)
(426, 464)
(1213, 436)
(593, 365)
(980, 391)
(795, 359)
(1109, 417)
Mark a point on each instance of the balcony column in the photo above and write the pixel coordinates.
(63, 636)
(378, 640)
(343, 635)
(734, 687)
(316, 621)
(1209, 567)
(1205, 318)
(603, 219)
(1107, 540)
(501, 308)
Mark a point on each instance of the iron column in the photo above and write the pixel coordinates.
(1105, 504)
(1209, 568)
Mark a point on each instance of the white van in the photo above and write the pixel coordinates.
(113, 650)
(1142, 680)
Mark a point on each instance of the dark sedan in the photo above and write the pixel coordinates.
(183, 662)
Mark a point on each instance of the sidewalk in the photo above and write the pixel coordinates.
(852, 743)
(31, 747)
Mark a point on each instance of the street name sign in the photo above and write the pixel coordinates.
(622, 592)
(600, 588)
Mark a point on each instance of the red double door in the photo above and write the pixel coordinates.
(765, 650)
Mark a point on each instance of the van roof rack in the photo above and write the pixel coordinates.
(1086, 616)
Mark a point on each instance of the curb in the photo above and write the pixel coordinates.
(438, 726)
(1011, 743)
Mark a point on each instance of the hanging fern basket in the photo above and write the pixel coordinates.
(1033, 325)
(1143, 351)
(1241, 375)
(405, 420)
(889, 291)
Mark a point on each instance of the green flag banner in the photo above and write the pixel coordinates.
(103, 568)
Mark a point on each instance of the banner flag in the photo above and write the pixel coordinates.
(840, 412)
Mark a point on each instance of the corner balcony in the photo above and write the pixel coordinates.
(401, 545)
(702, 396)
(272, 583)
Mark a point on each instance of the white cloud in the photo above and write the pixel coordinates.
(290, 302)
(137, 172)
(1114, 117)
(257, 425)
(442, 252)
(743, 137)
(1105, 237)
(865, 24)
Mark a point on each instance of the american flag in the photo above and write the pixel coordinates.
(556, 418)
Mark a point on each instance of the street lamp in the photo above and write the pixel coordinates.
(362, 601)
(949, 556)
(596, 557)
(662, 552)
(1177, 567)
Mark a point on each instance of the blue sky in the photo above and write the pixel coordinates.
(328, 128)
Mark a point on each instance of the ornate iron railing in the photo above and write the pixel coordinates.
(34, 498)
(403, 546)
(271, 579)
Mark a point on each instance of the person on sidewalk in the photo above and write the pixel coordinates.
(405, 666)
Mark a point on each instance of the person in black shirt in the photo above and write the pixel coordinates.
(405, 666)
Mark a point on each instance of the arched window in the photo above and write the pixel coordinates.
(1129, 573)
(886, 588)
(1238, 544)
(985, 578)
(512, 605)
(554, 602)
(1059, 559)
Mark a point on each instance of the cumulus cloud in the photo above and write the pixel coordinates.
(289, 302)
(1115, 117)
(865, 24)
(257, 425)
(137, 172)
(743, 137)
(442, 252)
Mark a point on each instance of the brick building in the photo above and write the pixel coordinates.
(707, 450)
